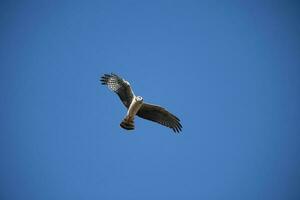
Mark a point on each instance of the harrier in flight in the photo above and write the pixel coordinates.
(136, 106)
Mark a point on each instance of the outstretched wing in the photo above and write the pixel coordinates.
(119, 86)
(160, 115)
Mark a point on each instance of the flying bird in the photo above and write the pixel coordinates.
(137, 106)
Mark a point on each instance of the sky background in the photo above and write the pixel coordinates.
(229, 70)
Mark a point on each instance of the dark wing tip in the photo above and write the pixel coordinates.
(176, 129)
(179, 128)
(176, 125)
(107, 76)
(104, 79)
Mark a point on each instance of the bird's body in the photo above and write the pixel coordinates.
(136, 105)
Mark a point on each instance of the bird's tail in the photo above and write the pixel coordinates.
(127, 123)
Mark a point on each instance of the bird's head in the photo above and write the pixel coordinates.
(139, 98)
(126, 82)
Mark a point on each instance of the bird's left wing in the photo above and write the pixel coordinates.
(160, 115)
(119, 86)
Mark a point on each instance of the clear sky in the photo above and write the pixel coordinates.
(229, 70)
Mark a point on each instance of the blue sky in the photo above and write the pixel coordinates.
(229, 70)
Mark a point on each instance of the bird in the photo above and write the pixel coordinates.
(137, 107)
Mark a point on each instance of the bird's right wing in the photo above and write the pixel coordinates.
(160, 115)
(119, 86)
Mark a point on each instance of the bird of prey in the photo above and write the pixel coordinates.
(136, 105)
